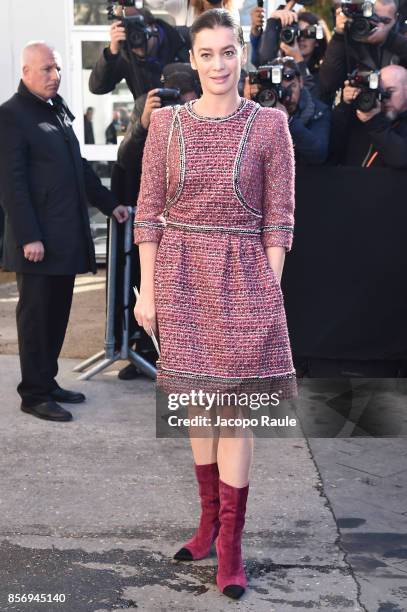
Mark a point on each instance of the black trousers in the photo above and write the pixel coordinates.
(42, 317)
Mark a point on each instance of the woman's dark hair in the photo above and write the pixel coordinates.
(214, 18)
(320, 50)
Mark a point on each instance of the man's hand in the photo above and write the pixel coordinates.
(117, 34)
(121, 213)
(286, 17)
(340, 21)
(258, 17)
(349, 94)
(292, 50)
(250, 90)
(34, 251)
(281, 107)
(363, 117)
(379, 34)
(152, 102)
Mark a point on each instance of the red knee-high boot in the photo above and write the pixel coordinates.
(231, 577)
(200, 544)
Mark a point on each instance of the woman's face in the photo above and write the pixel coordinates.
(217, 56)
(306, 45)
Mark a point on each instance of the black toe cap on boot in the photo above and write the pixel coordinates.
(235, 591)
(183, 555)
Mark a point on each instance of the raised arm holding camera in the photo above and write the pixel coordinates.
(140, 46)
(179, 87)
(369, 127)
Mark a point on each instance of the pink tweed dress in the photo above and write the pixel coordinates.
(227, 188)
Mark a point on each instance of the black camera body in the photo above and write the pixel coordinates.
(137, 32)
(169, 96)
(371, 92)
(291, 33)
(363, 18)
(271, 89)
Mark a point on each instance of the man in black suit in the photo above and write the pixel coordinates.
(45, 185)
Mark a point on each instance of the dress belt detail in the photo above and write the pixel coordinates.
(212, 228)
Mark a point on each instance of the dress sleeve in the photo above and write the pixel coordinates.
(278, 187)
(153, 188)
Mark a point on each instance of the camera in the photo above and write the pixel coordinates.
(364, 19)
(270, 80)
(291, 33)
(137, 32)
(371, 92)
(169, 95)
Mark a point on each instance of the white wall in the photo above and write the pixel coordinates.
(24, 20)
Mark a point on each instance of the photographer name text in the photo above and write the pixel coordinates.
(205, 421)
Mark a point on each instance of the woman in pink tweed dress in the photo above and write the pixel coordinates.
(214, 220)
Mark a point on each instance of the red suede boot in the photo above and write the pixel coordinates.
(231, 578)
(200, 544)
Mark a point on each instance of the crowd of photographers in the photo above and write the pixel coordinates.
(345, 93)
(344, 90)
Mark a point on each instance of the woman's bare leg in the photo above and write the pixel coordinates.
(235, 456)
(204, 450)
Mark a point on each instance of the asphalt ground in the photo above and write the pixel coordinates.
(94, 509)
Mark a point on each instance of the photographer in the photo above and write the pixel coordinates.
(141, 66)
(131, 148)
(302, 36)
(377, 137)
(309, 119)
(178, 88)
(384, 45)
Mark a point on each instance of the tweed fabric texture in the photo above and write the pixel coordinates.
(228, 187)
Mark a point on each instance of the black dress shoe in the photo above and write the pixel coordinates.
(51, 411)
(70, 397)
(129, 372)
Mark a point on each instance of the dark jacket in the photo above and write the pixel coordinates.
(132, 146)
(140, 75)
(265, 49)
(310, 128)
(45, 185)
(335, 67)
(379, 141)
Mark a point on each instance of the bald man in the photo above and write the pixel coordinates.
(374, 138)
(45, 186)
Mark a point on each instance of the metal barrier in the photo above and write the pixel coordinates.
(109, 355)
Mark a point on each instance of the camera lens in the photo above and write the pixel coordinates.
(267, 98)
(366, 100)
(288, 35)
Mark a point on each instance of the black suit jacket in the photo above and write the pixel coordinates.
(45, 186)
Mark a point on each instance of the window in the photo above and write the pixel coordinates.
(90, 12)
(105, 117)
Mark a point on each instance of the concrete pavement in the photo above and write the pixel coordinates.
(94, 509)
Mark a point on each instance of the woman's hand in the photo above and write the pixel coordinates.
(292, 50)
(286, 16)
(144, 312)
